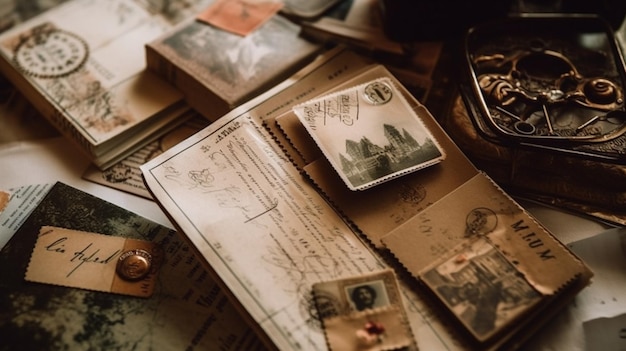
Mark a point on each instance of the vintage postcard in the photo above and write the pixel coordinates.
(363, 312)
(369, 133)
(217, 70)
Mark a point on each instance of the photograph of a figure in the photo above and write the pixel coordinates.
(367, 295)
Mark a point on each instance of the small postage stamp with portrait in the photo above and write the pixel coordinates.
(363, 312)
(369, 133)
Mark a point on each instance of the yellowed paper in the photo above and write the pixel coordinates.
(484, 257)
(270, 234)
(262, 226)
(480, 208)
(91, 261)
(92, 83)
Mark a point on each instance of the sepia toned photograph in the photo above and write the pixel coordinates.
(482, 289)
(357, 293)
(367, 295)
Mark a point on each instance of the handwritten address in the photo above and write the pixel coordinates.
(83, 260)
(88, 254)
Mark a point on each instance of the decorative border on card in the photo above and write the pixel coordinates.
(364, 312)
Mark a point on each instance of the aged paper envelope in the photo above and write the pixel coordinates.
(378, 210)
(480, 252)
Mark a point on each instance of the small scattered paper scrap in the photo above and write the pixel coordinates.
(241, 17)
(94, 262)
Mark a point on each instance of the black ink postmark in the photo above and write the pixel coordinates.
(50, 53)
(480, 221)
(118, 173)
(378, 93)
(413, 194)
(326, 305)
(309, 311)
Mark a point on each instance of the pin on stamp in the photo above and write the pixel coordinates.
(363, 313)
(134, 264)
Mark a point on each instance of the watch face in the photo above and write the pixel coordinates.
(51, 53)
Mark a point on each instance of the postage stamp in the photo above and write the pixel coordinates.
(363, 311)
(369, 133)
(481, 288)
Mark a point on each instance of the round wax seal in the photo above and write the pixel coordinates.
(134, 264)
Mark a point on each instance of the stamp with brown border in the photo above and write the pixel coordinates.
(363, 312)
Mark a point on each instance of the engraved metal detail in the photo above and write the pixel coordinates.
(134, 264)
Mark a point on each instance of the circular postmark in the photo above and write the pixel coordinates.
(51, 53)
(134, 264)
(413, 194)
(378, 93)
(480, 221)
(308, 310)
(325, 305)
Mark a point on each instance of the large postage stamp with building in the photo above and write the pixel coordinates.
(369, 133)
